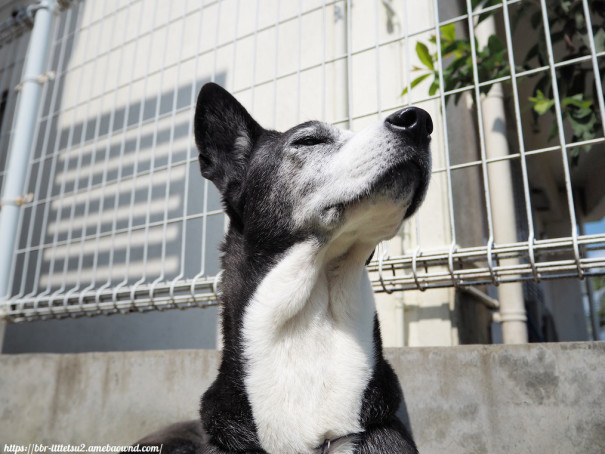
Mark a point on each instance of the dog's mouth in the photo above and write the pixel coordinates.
(398, 182)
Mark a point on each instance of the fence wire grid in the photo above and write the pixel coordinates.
(118, 218)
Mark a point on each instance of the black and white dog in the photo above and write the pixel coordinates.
(302, 368)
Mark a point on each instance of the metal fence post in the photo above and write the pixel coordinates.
(21, 140)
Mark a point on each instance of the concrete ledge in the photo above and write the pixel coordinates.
(474, 399)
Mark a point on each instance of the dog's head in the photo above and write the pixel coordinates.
(314, 180)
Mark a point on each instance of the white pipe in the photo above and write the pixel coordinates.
(21, 141)
(512, 306)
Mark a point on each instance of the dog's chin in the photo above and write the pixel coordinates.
(394, 188)
(370, 219)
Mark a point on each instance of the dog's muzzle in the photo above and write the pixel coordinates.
(414, 122)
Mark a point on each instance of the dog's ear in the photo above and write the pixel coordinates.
(225, 134)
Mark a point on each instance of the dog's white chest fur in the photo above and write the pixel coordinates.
(308, 344)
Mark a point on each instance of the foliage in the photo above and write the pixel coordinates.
(579, 106)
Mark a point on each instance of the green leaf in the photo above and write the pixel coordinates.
(495, 45)
(419, 79)
(583, 129)
(434, 87)
(415, 82)
(458, 63)
(541, 103)
(448, 48)
(582, 114)
(539, 95)
(450, 84)
(541, 107)
(424, 56)
(464, 46)
(578, 101)
(448, 32)
(580, 23)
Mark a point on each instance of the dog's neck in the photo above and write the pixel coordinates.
(338, 266)
(246, 263)
(308, 336)
(319, 264)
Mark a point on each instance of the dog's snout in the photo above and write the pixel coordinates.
(411, 120)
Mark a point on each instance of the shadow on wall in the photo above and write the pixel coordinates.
(123, 189)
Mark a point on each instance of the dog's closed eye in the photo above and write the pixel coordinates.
(309, 141)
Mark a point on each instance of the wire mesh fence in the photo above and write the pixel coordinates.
(120, 219)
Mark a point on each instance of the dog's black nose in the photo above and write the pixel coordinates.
(412, 120)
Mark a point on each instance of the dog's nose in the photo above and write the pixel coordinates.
(413, 121)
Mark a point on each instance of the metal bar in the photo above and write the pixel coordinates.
(152, 167)
(255, 55)
(77, 189)
(62, 203)
(103, 183)
(559, 119)
(406, 38)
(162, 275)
(349, 60)
(178, 278)
(11, 77)
(500, 181)
(448, 164)
(520, 141)
(54, 159)
(323, 61)
(275, 67)
(110, 301)
(589, 291)
(299, 61)
(234, 45)
(595, 65)
(114, 232)
(377, 52)
(21, 141)
(124, 282)
(199, 292)
(486, 188)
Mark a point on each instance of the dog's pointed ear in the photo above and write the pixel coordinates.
(225, 134)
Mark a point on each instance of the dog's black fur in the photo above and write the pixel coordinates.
(242, 159)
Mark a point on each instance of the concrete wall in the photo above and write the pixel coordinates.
(538, 398)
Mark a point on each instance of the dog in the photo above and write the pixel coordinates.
(302, 369)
